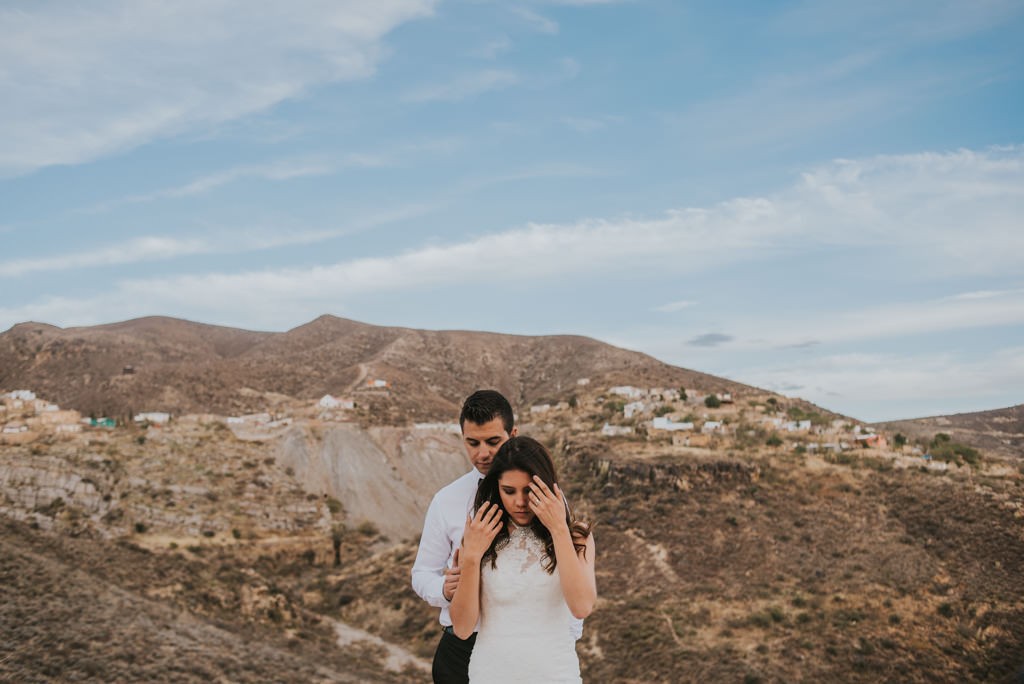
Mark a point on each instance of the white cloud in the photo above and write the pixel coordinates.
(88, 80)
(537, 21)
(918, 204)
(278, 171)
(464, 86)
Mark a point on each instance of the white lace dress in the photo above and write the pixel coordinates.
(524, 621)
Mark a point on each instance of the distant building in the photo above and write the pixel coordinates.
(665, 423)
(329, 402)
(610, 430)
(540, 408)
(22, 395)
(582, 382)
(710, 426)
(153, 417)
(627, 391)
(633, 407)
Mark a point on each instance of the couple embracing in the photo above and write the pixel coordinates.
(504, 559)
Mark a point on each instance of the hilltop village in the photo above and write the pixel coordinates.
(680, 420)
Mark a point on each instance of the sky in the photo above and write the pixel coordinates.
(823, 199)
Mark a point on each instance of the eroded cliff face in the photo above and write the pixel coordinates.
(384, 475)
(41, 489)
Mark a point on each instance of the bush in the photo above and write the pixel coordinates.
(712, 401)
(368, 528)
(333, 505)
(141, 527)
(774, 441)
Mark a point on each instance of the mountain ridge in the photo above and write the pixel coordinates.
(169, 364)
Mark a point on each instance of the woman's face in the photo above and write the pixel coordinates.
(514, 488)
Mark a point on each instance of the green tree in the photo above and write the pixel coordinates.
(712, 401)
(899, 440)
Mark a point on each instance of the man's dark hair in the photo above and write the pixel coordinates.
(483, 406)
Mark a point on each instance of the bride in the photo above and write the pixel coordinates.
(527, 568)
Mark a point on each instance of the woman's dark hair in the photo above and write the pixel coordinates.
(530, 456)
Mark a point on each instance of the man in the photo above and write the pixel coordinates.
(487, 422)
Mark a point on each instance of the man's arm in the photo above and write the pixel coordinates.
(432, 558)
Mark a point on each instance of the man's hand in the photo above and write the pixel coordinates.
(451, 578)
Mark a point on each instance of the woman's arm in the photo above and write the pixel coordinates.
(575, 569)
(480, 532)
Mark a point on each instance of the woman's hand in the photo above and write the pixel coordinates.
(480, 531)
(548, 506)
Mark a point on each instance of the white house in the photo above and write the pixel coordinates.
(22, 395)
(154, 417)
(665, 423)
(711, 426)
(616, 430)
(540, 408)
(329, 402)
(627, 391)
(632, 408)
(583, 382)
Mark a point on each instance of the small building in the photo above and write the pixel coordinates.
(583, 382)
(665, 423)
(22, 395)
(152, 417)
(540, 408)
(329, 402)
(702, 441)
(627, 391)
(710, 426)
(872, 441)
(633, 407)
(610, 430)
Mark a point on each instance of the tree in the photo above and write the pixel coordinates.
(899, 440)
(337, 536)
(682, 393)
(774, 440)
(712, 401)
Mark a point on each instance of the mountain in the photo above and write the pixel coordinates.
(167, 364)
(1000, 431)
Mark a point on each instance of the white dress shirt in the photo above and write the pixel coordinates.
(442, 534)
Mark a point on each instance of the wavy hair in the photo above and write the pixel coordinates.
(529, 456)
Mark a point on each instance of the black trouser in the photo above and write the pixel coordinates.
(451, 659)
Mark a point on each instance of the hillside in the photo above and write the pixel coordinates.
(125, 549)
(1000, 431)
(165, 364)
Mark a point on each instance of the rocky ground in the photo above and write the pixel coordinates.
(187, 554)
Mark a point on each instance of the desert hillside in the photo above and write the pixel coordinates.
(1000, 431)
(398, 374)
(741, 535)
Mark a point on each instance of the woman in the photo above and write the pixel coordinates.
(527, 566)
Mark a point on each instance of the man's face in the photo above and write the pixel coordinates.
(482, 442)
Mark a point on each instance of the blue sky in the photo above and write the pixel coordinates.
(821, 198)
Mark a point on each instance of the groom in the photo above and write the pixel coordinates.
(487, 423)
